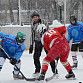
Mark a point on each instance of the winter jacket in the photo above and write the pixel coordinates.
(11, 47)
(75, 32)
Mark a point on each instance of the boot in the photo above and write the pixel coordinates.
(17, 76)
(70, 75)
(42, 76)
(36, 74)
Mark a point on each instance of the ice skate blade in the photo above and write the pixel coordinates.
(18, 79)
(71, 78)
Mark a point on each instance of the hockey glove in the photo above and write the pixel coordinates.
(13, 61)
(31, 49)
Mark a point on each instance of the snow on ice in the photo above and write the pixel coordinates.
(27, 68)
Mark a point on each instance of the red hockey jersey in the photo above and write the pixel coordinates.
(51, 35)
(61, 30)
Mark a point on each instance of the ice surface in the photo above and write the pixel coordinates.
(28, 68)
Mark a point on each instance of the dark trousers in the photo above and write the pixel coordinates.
(37, 54)
(76, 47)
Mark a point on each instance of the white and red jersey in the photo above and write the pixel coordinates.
(51, 35)
(61, 30)
(56, 44)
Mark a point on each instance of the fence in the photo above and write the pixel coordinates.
(13, 29)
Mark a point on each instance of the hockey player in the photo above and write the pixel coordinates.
(37, 30)
(57, 46)
(12, 47)
(75, 33)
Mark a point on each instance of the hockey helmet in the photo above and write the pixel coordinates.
(20, 37)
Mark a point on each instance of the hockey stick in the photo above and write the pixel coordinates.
(51, 77)
(27, 79)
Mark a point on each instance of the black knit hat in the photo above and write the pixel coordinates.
(35, 14)
(73, 18)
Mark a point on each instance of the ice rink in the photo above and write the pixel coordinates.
(27, 68)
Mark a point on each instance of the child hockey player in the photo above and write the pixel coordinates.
(12, 47)
(75, 33)
(57, 46)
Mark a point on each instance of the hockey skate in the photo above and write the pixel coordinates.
(70, 76)
(36, 74)
(54, 76)
(41, 77)
(17, 76)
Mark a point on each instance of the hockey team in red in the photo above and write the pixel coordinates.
(56, 44)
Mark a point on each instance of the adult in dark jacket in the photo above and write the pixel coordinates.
(37, 30)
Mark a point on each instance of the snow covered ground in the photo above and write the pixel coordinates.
(28, 68)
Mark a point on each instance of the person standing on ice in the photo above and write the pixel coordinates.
(12, 47)
(37, 30)
(75, 33)
(57, 46)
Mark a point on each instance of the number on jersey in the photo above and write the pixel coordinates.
(50, 32)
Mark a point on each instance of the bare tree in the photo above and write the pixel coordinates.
(11, 11)
(82, 10)
(6, 9)
(55, 9)
(48, 9)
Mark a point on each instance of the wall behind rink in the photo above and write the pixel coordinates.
(13, 29)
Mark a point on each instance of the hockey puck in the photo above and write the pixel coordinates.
(80, 82)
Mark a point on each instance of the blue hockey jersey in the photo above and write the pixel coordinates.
(11, 47)
(75, 32)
